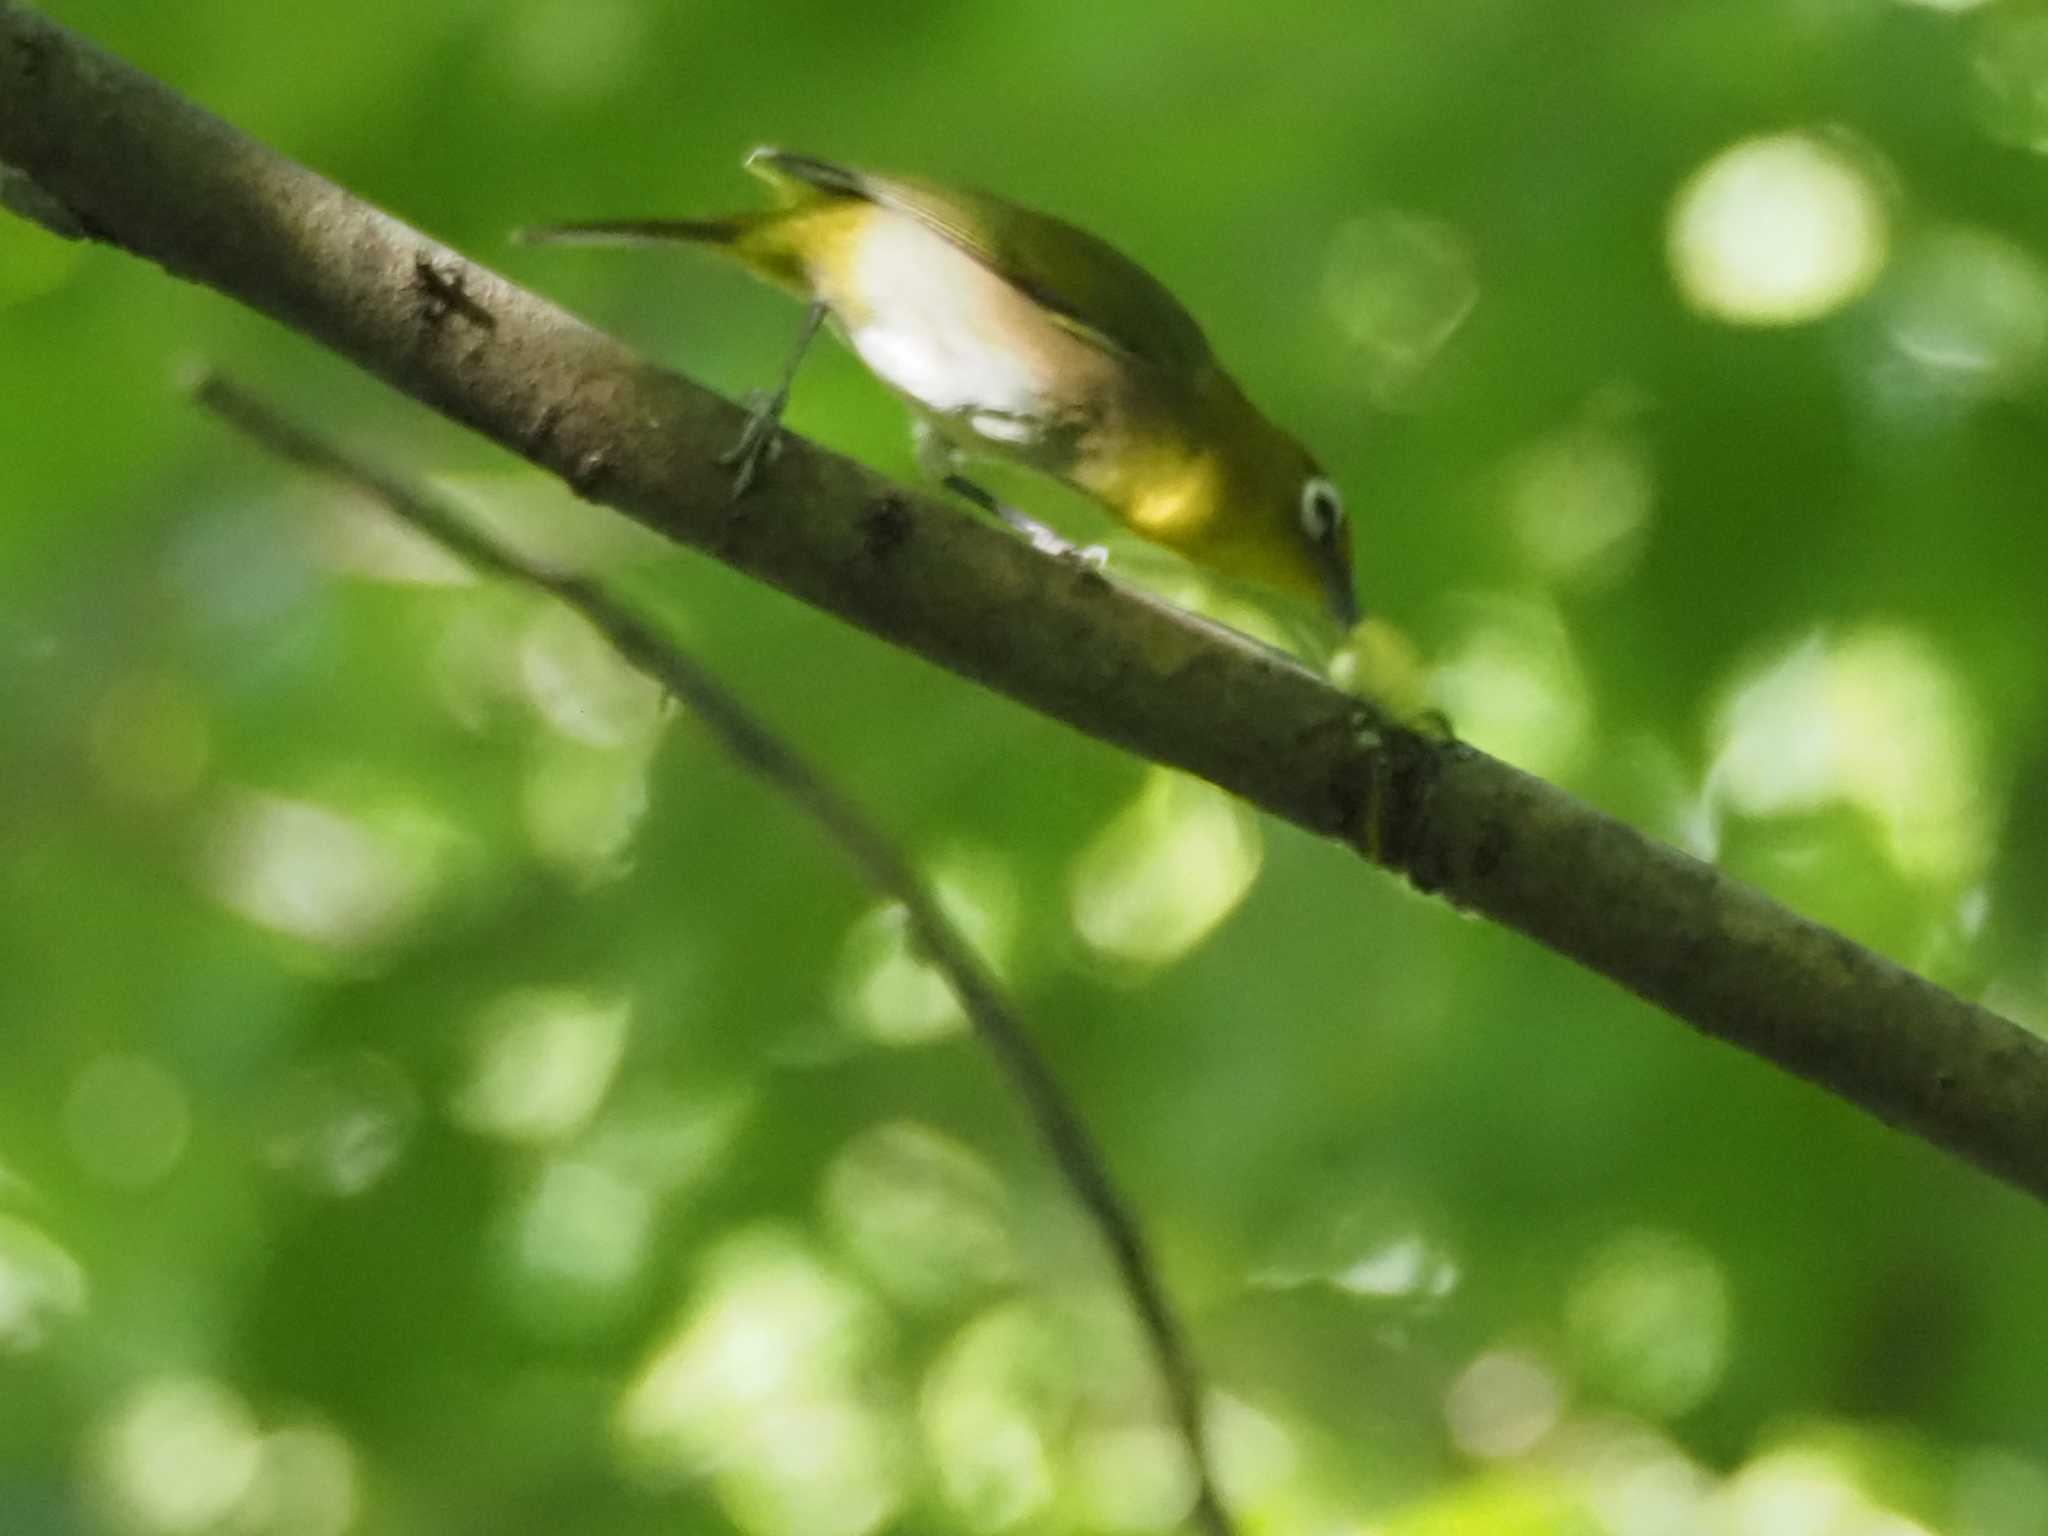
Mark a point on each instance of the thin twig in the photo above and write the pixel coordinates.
(775, 763)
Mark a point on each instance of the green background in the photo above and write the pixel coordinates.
(439, 1094)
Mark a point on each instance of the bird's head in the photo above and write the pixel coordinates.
(1283, 522)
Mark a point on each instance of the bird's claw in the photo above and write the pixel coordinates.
(759, 442)
(1041, 538)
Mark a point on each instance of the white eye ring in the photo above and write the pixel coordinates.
(1321, 509)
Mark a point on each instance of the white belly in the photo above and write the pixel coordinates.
(937, 326)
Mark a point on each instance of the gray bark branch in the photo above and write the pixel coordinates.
(134, 164)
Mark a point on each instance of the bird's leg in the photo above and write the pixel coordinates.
(1040, 537)
(936, 457)
(761, 439)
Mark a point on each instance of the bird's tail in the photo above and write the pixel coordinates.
(715, 232)
(761, 242)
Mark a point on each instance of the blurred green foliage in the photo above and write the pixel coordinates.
(438, 1094)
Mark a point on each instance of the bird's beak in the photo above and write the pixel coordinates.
(1338, 594)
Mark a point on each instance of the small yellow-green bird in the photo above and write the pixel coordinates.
(1014, 335)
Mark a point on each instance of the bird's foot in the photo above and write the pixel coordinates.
(1047, 542)
(1025, 526)
(760, 440)
(1090, 557)
(1093, 557)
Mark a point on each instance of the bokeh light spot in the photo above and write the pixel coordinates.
(1502, 1405)
(180, 1454)
(578, 682)
(1399, 285)
(1580, 499)
(1408, 1266)
(582, 806)
(474, 664)
(307, 1484)
(922, 1215)
(565, 50)
(1799, 1492)
(1132, 1477)
(579, 1242)
(1874, 719)
(1511, 684)
(1650, 1322)
(541, 1063)
(1636, 1481)
(1255, 1453)
(41, 1286)
(342, 1125)
(667, 1141)
(316, 873)
(765, 1388)
(1165, 872)
(1374, 1247)
(1967, 311)
(886, 991)
(239, 568)
(828, 1467)
(1776, 231)
(2009, 76)
(351, 535)
(127, 1120)
(988, 1409)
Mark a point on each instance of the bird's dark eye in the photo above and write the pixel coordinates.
(1321, 510)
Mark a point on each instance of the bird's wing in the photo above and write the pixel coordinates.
(1086, 284)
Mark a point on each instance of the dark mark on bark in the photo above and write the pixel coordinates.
(1345, 790)
(446, 292)
(885, 527)
(1413, 765)
(30, 52)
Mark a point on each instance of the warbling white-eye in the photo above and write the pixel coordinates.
(1014, 335)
